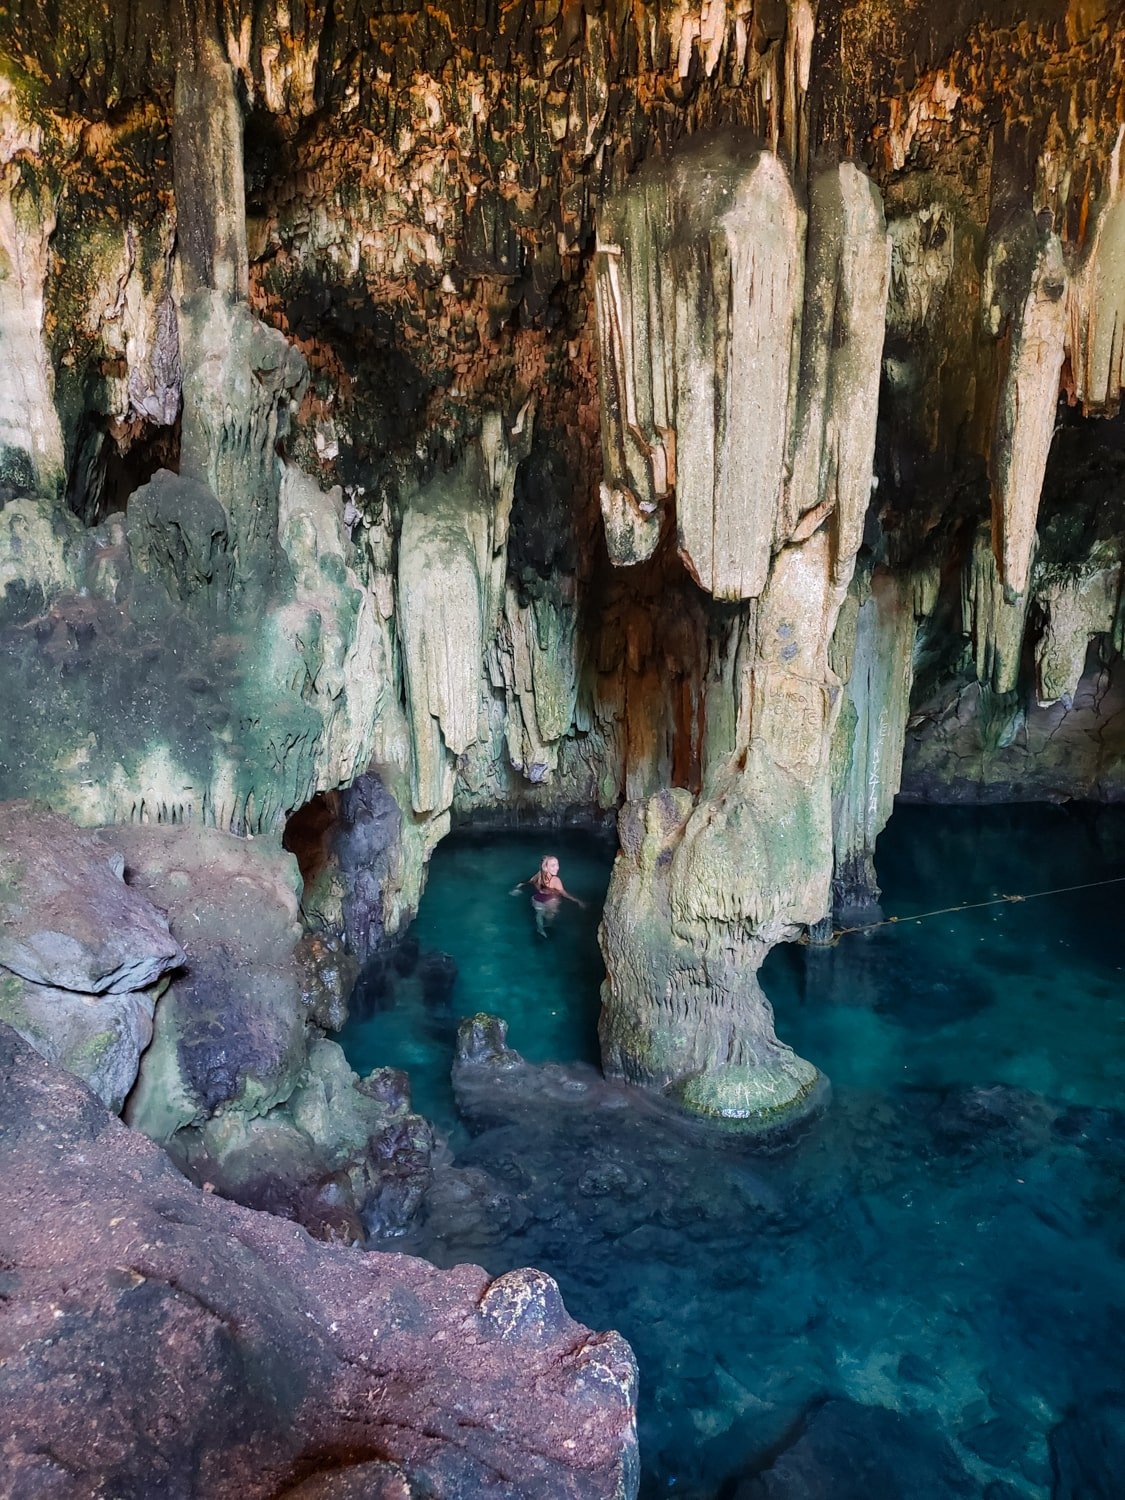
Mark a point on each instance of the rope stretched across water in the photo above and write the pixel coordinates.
(945, 911)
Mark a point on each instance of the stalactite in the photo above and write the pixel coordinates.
(873, 655)
(31, 445)
(535, 661)
(738, 275)
(1097, 300)
(837, 394)
(992, 618)
(1025, 418)
(635, 319)
(699, 277)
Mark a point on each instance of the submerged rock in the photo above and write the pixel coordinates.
(1088, 1451)
(764, 1096)
(847, 1451)
(483, 1040)
(157, 1337)
(437, 973)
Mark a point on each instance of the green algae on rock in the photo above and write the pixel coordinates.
(766, 1097)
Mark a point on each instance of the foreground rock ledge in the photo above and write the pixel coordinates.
(155, 1339)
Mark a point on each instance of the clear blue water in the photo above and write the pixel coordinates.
(923, 1295)
(547, 989)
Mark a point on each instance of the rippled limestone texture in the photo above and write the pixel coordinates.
(553, 406)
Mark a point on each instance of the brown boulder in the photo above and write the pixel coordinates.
(155, 1339)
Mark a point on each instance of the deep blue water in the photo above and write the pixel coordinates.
(924, 1294)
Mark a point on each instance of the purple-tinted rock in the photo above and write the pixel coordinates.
(155, 1339)
(67, 918)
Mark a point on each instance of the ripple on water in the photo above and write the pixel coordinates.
(924, 1294)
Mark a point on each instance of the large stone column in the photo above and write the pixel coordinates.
(771, 353)
(239, 376)
(31, 443)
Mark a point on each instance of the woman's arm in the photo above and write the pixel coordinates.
(557, 885)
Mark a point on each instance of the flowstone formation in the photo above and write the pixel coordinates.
(414, 413)
(704, 887)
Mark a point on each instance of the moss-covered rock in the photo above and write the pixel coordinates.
(98, 1038)
(763, 1098)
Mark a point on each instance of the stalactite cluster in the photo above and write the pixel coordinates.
(567, 405)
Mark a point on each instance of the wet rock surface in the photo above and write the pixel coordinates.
(156, 1336)
(846, 1451)
(1087, 1450)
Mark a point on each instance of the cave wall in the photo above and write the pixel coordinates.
(701, 407)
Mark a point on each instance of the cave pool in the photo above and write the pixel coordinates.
(923, 1295)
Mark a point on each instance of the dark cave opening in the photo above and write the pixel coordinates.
(112, 460)
(308, 834)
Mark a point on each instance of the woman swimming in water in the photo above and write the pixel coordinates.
(547, 893)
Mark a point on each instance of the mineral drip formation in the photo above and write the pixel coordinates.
(745, 340)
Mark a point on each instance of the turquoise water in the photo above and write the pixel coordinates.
(922, 1296)
(547, 989)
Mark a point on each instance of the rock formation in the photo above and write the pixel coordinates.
(156, 1335)
(83, 956)
(186, 995)
(786, 356)
(550, 408)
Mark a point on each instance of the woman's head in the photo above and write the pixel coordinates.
(549, 865)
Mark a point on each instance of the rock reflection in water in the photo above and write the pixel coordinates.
(921, 1295)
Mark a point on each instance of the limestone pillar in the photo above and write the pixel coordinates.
(239, 376)
(775, 350)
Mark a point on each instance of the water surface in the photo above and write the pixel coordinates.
(923, 1295)
(548, 990)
